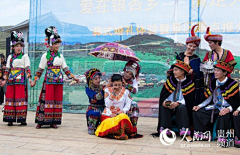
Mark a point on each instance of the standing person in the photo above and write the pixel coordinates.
(2, 69)
(177, 98)
(16, 75)
(194, 61)
(221, 99)
(49, 108)
(95, 94)
(217, 53)
(115, 123)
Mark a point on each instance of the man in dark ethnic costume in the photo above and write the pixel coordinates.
(221, 99)
(176, 98)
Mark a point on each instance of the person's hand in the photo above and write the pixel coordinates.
(236, 113)
(190, 71)
(33, 83)
(75, 79)
(3, 83)
(124, 82)
(166, 104)
(224, 111)
(196, 108)
(173, 105)
(109, 84)
(30, 81)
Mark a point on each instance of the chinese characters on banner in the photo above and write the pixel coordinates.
(105, 6)
(165, 28)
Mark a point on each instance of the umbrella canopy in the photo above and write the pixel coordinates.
(114, 51)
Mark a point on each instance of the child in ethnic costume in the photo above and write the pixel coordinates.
(16, 74)
(95, 94)
(217, 53)
(115, 123)
(221, 99)
(177, 98)
(49, 109)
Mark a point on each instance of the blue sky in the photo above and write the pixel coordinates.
(13, 12)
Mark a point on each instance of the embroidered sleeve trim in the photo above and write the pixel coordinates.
(131, 88)
(68, 73)
(38, 73)
(28, 71)
(6, 73)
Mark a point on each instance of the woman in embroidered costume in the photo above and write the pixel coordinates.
(221, 99)
(131, 73)
(16, 74)
(49, 109)
(95, 94)
(194, 62)
(177, 98)
(115, 123)
(217, 53)
(236, 121)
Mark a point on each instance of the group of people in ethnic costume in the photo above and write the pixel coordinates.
(111, 112)
(196, 104)
(17, 73)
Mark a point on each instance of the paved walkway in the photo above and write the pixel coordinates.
(72, 138)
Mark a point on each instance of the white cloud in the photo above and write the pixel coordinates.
(13, 12)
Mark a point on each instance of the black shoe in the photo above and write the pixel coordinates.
(10, 124)
(23, 123)
(237, 146)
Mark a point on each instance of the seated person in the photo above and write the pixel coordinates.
(176, 98)
(221, 99)
(95, 94)
(114, 121)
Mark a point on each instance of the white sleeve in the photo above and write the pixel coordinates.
(8, 61)
(238, 108)
(64, 64)
(230, 108)
(182, 101)
(108, 102)
(26, 61)
(135, 84)
(207, 101)
(128, 102)
(43, 61)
